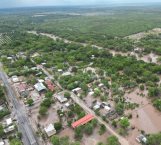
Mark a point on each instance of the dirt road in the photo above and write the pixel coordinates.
(122, 140)
(147, 58)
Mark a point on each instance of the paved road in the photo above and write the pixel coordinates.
(24, 127)
(122, 140)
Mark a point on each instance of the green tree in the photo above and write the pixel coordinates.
(102, 129)
(154, 139)
(55, 140)
(112, 140)
(43, 110)
(30, 102)
(120, 108)
(58, 126)
(67, 95)
(124, 123)
(79, 133)
(47, 102)
(157, 104)
(49, 94)
(15, 142)
(154, 92)
(1, 130)
(88, 129)
(141, 87)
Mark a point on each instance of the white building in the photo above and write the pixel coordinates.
(15, 79)
(61, 98)
(9, 129)
(1, 142)
(40, 87)
(1, 108)
(8, 121)
(50, 130)
(77, 90)
(66, 74)
(97, 106)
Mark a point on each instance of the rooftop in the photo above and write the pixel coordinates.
(50, 130)
(83, 120)
(39, 87)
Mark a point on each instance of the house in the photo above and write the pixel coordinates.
(67, 104)
(21, 55)
(9, 129)
(83, 120)
(40, 87)
(97, 106)
(1, 142)
(60, 70)
(34, 68)
(43, 63)
(35, 95)
(112, 114)
(91, 93)
(50, 130)
(15, 79)
(141, 138)
(22, 89)
(1, 108)
(35, 55)
(40, 80)
(61, 98)
(107, 108)
(9, 121)
(49, 85)
(66, 74)
(101, 85)
(77, 90)
(9, 58)
(93, 57)
(38, 74)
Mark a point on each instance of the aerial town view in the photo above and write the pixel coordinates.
(76, 72)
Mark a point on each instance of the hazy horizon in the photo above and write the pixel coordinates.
(33, 3)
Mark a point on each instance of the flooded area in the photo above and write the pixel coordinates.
(93, 139)
(145, 118)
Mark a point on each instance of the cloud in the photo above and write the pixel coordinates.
(19, 3)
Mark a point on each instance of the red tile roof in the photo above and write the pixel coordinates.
(21, 87)
(83, 120)
(50, 85)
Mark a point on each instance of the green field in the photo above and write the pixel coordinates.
(105, 27)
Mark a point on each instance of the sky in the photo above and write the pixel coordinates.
(26, 3)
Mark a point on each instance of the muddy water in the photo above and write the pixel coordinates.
(148, 120)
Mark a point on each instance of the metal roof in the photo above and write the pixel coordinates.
(83, 120)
